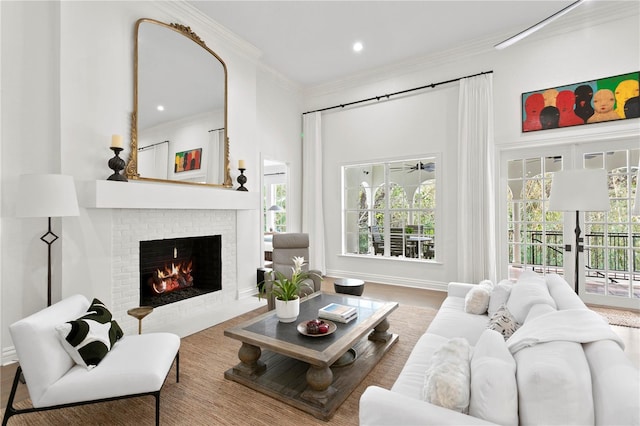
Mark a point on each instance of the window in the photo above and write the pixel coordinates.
(390, 208)
(275, 206)
(535, 234)
(612, 239)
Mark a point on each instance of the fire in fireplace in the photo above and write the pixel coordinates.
(179, 268)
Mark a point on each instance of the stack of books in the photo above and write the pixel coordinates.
(337, 312)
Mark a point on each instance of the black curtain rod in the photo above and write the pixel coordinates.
(377, 98)
(153, 144)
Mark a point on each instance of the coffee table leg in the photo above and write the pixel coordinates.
(319, 388)
(250, 364)
(379, 333)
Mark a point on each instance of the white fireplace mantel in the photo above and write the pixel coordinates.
(105, 194)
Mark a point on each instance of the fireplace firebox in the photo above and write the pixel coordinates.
(179, 268)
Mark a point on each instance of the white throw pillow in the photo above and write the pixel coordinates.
(477, 300)
(447, 379)
(89, 338)
(499, 296)
(494, 391)
(488, 284)
(530, 290)
(503, 322)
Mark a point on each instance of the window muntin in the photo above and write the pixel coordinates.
(390, 208)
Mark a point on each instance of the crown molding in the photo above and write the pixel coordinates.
(590, 13)
(284, 81)
(410, 66)
(196, 17)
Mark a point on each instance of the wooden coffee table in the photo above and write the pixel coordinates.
(310, 373)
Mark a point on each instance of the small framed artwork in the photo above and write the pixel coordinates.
(188, 160)
(595, 101)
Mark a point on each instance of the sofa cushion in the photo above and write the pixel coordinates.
(494, 391)
(89, 338)
(447, 379)
(616, 385)
(562, 293)
(530, 289)
(503, 322)
(477, 300)
(452, 321)
(554, 384)
(410, 382)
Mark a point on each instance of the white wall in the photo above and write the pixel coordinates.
(279, 128)
(427, 121)
(67, 86)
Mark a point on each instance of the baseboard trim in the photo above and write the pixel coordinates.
(390, 280)
(9, 355)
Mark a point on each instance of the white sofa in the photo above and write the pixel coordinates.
(558, 381)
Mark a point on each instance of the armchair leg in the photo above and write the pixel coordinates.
(10, 411)
(178, 367)
(157, 396)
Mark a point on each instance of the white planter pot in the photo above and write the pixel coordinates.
(287, 311)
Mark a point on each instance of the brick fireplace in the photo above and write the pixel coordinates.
(131, 227)
(142, 211)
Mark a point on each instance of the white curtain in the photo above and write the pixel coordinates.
(312, 207)
(476, 187)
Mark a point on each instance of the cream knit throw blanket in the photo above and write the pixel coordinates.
(572, 325)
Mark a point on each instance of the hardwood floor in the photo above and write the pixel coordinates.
(402, 295)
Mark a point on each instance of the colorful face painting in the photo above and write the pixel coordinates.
(596, 101)
(187, 160)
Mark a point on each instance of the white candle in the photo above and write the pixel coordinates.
(116, 141)
(241, 164)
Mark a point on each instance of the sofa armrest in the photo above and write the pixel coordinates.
(459, 289)
(383, 407)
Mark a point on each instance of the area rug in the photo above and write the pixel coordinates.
(619, 317)
(205, 397)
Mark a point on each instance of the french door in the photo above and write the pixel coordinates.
(534, 238)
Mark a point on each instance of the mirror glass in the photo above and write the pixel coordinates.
(179, 122)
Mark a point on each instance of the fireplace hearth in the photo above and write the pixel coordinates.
(179, 268)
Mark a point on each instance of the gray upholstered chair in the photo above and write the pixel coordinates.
(286, 246)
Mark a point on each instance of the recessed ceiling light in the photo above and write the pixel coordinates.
(160, 108)
(357, 46)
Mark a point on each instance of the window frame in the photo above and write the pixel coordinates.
(422, 248)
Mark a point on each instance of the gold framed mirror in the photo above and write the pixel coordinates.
(179, 127)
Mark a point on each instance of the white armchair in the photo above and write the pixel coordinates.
(136, 365)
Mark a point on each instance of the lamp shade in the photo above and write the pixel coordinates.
(46, 195)
(582, 189)
(275, 208)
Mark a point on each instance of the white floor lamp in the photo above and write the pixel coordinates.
(579, 190)
(47, 196)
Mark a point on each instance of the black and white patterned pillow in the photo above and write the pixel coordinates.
(503, 322)
(89, 338)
